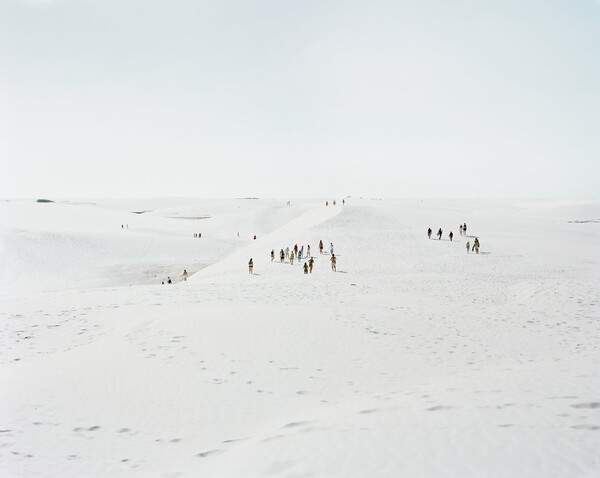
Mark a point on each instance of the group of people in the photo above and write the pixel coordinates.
(299, 253)
(184, 276)
(475, 246)
(197, 234)
(463, 232)
(334, 203)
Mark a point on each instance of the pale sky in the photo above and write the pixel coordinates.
(278, 98)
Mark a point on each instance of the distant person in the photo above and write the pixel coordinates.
(465, 228)
(185, 275)
(305, 267)
(476, 245)
(334, 202)
(292, 257)
(461, 230)
(255, 237)
(310, 264)
(169, 281)
(450, 236)
(333, 262)
(477, 248)
(272, 254)
(281, 255)
(439, 234)
(468, 247)
(296, 248)
(122, 226)
(287, 252)
(326, 203)
(343, 202)
(308, 251)
(195, 235)
(320, 247)
(199, 234)
(250, 266)
(331, 248)
(429, 233)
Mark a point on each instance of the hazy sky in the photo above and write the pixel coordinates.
(417, 98)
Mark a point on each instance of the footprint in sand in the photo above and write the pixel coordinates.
(295, 424)
(204, 454)
(586, 427)
(587, 405)
(371, 410)
(233, 440)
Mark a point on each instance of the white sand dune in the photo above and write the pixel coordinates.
(414, 360)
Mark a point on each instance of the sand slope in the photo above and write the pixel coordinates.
(414, 360)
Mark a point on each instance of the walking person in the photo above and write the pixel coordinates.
(465, 228)
(281, 255)
(320, 247)
(250, 266)
(305, 267)
(461, 230)
(272, 254)
(439, 234)
(310, 264)
(333, 262)
(308, 251)
(169, 281)
(450, 236)
(331, 248)
(429, 233)
(185, 274)
(292, 257)
(287, 252)
(468, 247)
(475, 244)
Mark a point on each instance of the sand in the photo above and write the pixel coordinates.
(415, 359)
